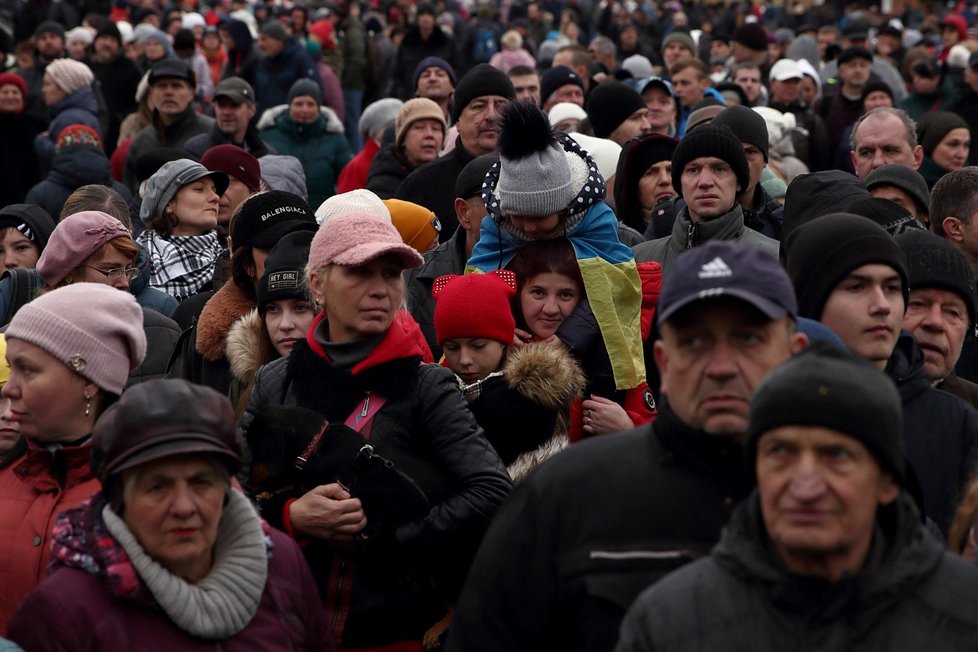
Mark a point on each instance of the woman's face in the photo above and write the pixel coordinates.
(11, 99)
(17, 251)
(105, 262)
(952, 152)
(52, 92)
(473, 358)
(876, 99)
(304, 109)
(656, 184)
(9, 430)
(546, 300)
(809, 89)
(47, 399)
(196, 207)
(173, 507)
(360, 301)
(154, 50)
(287, 321)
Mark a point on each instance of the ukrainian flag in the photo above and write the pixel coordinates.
(611, 282)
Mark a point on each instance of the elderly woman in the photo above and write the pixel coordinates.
(70, 352)
(312, 133)
(361, 364)
(67, 90)
(168, 555)
(94, 247)
(179, 209)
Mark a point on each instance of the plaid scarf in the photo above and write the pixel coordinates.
(182, 265)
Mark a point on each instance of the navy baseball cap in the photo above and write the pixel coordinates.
(728, 269)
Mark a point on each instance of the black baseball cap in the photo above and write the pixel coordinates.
(728, 269)
(855, 52)
(170, 69)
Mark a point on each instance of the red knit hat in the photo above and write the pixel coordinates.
(16, 80)
(475, 305)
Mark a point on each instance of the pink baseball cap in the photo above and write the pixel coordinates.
(356, 238)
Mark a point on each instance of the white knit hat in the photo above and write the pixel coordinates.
(564, 111)
(81, 34)
(355, 201)
(69, 75)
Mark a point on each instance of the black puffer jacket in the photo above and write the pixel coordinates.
(423, 419)
(939, 432)
(447, 258)
(388, 169)
(911, 595)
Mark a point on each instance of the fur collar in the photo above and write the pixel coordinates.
(227, 306)
(243, 347)
(546, 375)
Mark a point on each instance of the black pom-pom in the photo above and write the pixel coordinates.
(525, 130)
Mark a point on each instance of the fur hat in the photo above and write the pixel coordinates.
(475, 305)
(93, 329)
(69, 75)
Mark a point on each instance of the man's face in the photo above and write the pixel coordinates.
(236, 193)
(709, 188)
(786, 92)
(662, 109)
(719, 50)
(854, 74)
(435, 84)
(269, 46)
(50, 46)
(689, 87)
(628, 39)
(938, 320)
(172, 96)
(880, 140)
(674, 52)
(478, 125)
(866, 311)
(567, 93)
(711, 357)
(527, 88)
(756, 163)
(749, 79)
(232, 119)
(423, 141)
(898, 196)
(106, 48)
(635, 124)
(819, 490)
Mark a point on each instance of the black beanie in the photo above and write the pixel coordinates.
(747, 125)
(891, 216)
(555, 78)
(820, 253)
(752, 36)
(477, 82)
(828, 387)
(109, 29)
(933, 126)
(284, 276)
(711, 140)
(877, 86)
(611, 104)
(933, 262)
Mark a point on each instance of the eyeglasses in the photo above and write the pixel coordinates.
(116, 273)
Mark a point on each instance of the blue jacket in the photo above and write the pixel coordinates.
(79, 108)
(275, 75)
(73, 168)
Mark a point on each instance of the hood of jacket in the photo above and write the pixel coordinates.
(74, 167)
(278, 116)
(83, 99)
(243, 347)
(627, 204)
(902, 553)
(227, 306)
(906, 367)
(819, 193)
(243, 40)
(412, 39)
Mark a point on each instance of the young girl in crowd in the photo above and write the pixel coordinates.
(520, 394)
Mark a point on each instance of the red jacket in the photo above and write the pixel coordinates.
(34, 489)
(354, 174)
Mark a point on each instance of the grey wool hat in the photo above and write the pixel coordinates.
(163, 186)
(534, 175)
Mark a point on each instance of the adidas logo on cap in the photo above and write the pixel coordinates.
(716, 268)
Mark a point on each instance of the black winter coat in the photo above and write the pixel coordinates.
(387, 170)
(413, 50)
(119, 79)
(18, 165)
(587, 531)
(425, 425)
(911, 595)
(447, 258)
(253, 144)
(939, 433)
(161, 336)
(433, 186)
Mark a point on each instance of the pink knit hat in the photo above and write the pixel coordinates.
(76, 238)
(93, 329)
(356, 238)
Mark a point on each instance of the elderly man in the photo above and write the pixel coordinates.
(709, 170)
(561, 84)
(234, 109)
(829, 552)
(592, 527)
(884, 136)
(480, 97)
(175, 121)
(941, 308)
(850, 275)
(903, 186)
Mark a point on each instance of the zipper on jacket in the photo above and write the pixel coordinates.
(691, 236)
(339, 597)
(620, 555)
(366, 406)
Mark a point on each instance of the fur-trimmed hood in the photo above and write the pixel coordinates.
(227, 306)
(333, 123)
(243, 347)
(544, 374)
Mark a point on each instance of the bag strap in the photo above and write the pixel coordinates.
(360, 420)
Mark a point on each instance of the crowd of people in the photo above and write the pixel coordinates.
(523, 325)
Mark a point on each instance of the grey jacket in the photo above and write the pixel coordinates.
(686, 235)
